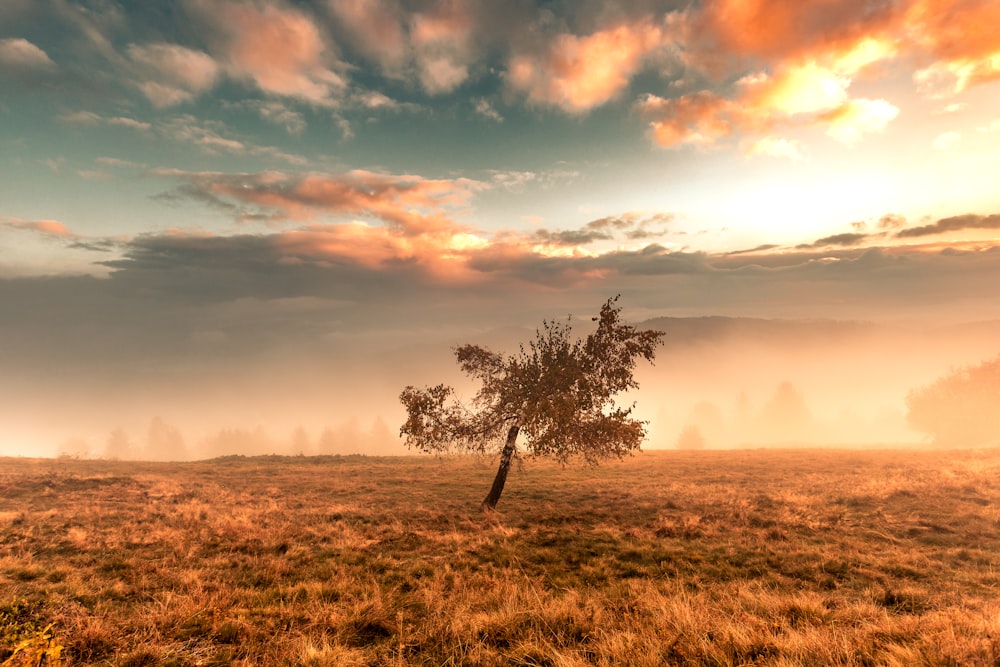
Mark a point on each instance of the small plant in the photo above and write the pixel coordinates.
(23, 640)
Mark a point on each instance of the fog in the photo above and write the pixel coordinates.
(800, 383)
(717, 383)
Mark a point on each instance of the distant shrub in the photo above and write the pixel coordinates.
(785, 416)
(961, 408)
(691, 438)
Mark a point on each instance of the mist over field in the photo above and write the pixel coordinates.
(241, 238)
(736, 382)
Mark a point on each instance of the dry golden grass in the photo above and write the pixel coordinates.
(704, 558)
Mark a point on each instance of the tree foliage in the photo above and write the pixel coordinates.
(961, 408)
(559, 392)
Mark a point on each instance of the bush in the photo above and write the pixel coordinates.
(961, 408)
(691, 438)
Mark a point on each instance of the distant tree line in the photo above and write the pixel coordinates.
(164, 442)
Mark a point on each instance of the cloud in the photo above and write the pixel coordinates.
(849, 123)
(442, 41)
(775, 147)
(992, 126)
(26, 64)
(724, 34)
(130, 123)
(18, 53)
(377, 100)
(806, 93)
(52, 229)
(210, 138)
(798, 64)
(848, 239)
(278, 113)
(54, 164)
(634, 226)
(55, 231)
(375, 29)
(92, 119)
(756, 249)
(81, 118)
(418, 230)
(173, 73)
(952, 224)
(697, 119)
(576, 237)
(116, 163)
(578, 73)
(946, 140)
(373, 100)
(352, 261)
(437, 43)
(277, 47)
(484, 108)
(806, 88)
(515, 181)
(891, 221)
(962, 38)
(411, 204)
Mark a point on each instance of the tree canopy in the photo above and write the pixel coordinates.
(961, 408)
(559, 391)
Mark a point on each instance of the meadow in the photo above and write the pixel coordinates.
(769, 557)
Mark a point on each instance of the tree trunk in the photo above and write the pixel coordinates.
(493, 497)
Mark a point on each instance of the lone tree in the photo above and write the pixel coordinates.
(961, 408)
(558, 391)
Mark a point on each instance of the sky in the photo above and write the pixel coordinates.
(241, 207)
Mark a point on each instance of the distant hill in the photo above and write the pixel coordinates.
(683, 331)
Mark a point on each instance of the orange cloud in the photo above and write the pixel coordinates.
(698, 118)
(437, 44)
(962, 38)
(800, 89)
(174, 74)
(277, 47)
(410, 204)
(365, 245)
(377, 247)
(849, 122)
(813, 90)
(803, 58)
(580, 73)
(50, 228)
(726, 30)
(442, 39)
(956, 29)
(375, 28)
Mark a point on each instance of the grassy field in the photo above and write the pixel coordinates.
(794, 557)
